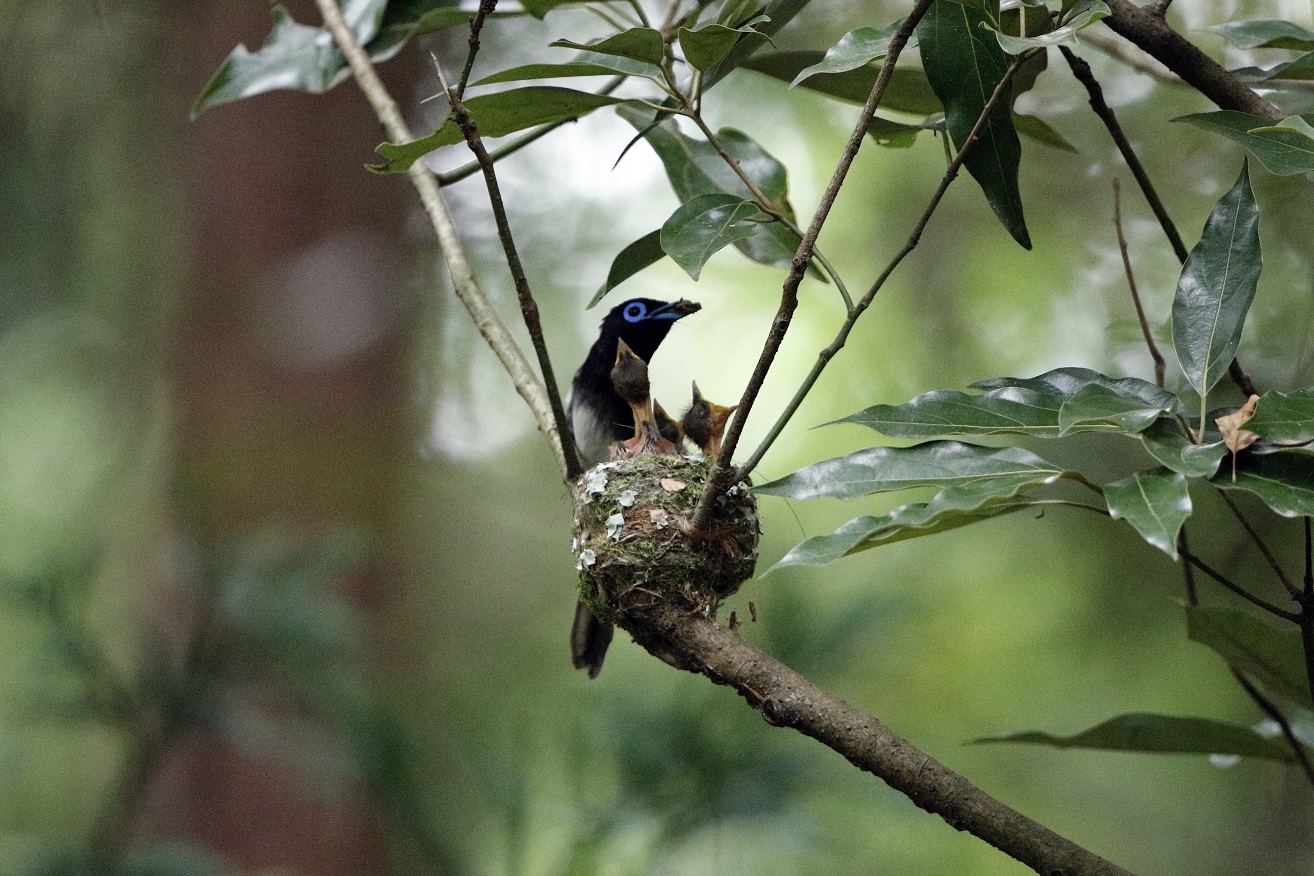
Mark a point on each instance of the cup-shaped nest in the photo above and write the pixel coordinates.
(635, 547)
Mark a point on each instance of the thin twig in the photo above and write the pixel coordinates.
(1131, 284)
(1269, 708)
(723, 474)
(486, 8)
(1249, 597)
(1259, 543)
(464, 284)
(824, 357)
(1188, 573)
(528, 306)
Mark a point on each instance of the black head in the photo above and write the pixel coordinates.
(643, 322)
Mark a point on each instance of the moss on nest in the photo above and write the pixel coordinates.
(632, 541)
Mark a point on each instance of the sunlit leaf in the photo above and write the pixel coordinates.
(951, 508)
(937, 464)
(1166, 441)
(964, 64)
(1285, 417)
(498, 114)
(908, 90)
(1216, 287)
(702, 226)
(1083, 15)
(1272, 656)
(1284, 480)
(1156, 503)
(1161, 734)
(1282, 150)
(707, 44)
(645, 251)
(856, 48)
(1265, 34)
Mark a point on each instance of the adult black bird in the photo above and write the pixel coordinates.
(599, 417)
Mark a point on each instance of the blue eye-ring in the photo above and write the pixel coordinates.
(634, 312)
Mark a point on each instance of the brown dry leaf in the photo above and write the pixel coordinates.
(1236, 438)
(673, 485)
(657, 516)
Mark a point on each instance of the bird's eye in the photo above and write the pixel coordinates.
(634, 311)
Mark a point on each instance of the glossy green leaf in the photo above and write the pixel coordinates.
(1129, 405)
(1041, 131)
(642, 44)
(707, 44)
(937, 464)
(1156, 503)
(1162, 734)
(1300, 69)
(547, 71)
(645, 251)
(1027, 406)
(498, 114)
(908, 90)
(708, 223)
(778, 14)
(294, 56)
(964, 64)
(951, 508)
(1270, 655)
(694, 168)
(1265, 34)
(1169, 444)
(1285, 417)
(891, 134)
(1216, 287)
(1282, 150)
(1284, 481)
(1083, 15)
(857, 48)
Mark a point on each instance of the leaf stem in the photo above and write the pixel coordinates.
(1259, 543)
(1155, 355)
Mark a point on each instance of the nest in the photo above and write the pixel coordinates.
(634, 545)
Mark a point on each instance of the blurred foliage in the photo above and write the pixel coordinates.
(450, 702)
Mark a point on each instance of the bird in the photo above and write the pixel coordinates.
(599, 417)
(629, 377)
(704, 423)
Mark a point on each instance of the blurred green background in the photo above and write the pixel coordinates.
(286, 567)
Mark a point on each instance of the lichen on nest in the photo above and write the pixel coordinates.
(633, 542)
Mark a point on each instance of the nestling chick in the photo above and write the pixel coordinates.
(629, 377)
(704, 423)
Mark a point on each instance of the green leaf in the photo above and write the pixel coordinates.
(964, 65)
(778, 12)
(908, 90)
(857, 48)
(645, 251)
(504, 112)
(951, 508)
(1040, 131)
(1284, 480)
(1285, 417)
(1083, 15)
(1047, 406)
(1282, 150)
(706, 45)
(1300, 69)
(1272, 656)
(295, 56)
(706, 224)
(1166, 441)
(937, 464)
(891, 134)
(642, 44)
(540, 8)
(1265, 34)
(547, 71)
(1216, 287)
(1129, 405)
(1161, 734)
(1156, 503)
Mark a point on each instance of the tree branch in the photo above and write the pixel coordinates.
(1269, 708)
(1150, 32)
(464, 284)
(1238, 590)
(786, 699)
(1155, 355)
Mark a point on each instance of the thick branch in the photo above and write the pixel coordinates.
(465, 285)
(1152, 34)
(787, 699)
